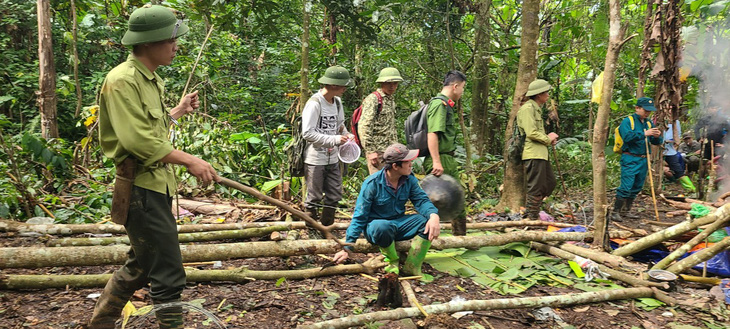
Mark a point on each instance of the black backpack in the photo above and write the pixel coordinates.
(295, 149)
(416, 127)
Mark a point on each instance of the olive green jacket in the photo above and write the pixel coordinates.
(529, 121)
(134, 122)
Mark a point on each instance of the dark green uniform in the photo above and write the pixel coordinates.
(442, 121)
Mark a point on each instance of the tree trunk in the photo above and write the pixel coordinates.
(304, 80)
(77, 82)
(47, 74)
(600, 130)
(482, 305)
(35, 257)
(241, 275)
(69, 229)
(720, 214)
(480, 114)
(594, 255)
(185, 237)
(513, 192)
(650, 19)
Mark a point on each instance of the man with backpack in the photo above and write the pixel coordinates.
(323, 127)
(634, 131)
(376, 126)
(442, 135)
(538, 172)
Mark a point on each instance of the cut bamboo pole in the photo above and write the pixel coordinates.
(20, 257)
(15, 282)
(699, 256)
(482, 305)
(671, 232)
(182, 238)
(685, 248)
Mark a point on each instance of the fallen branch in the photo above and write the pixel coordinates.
(184, 237)
(662, 264)
(594, 255)
(241, 275)
(297, 213)
(699, 256)
(69, 229)
(20, 257)
(676, 204)
(412, 300)
(481, 305)
(671, 232)
(613, 273)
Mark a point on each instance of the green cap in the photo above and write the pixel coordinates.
(151, 24)
(389, 74)
(646, 103)
(538, 86)
(336, 75)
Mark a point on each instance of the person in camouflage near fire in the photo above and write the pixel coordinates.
(376, 127)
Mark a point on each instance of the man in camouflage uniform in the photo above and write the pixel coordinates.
(133, 124)
(377, 122)
(690, 150)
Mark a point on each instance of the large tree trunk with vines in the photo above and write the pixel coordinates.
(513, 191)
(598, 154)
(47, 74)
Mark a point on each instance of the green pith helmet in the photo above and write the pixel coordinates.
(336, 75)
(152, 24)
(538, 86)
(389, 74)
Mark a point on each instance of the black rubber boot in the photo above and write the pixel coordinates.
(328, 215)
(618, 209)
(311, 212)
(627, 208)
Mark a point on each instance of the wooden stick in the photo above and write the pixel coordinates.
(200, 53)
(651, 177)
(412, 297)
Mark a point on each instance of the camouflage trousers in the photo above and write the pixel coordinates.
(154, 258)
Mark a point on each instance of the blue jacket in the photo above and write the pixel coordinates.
(377, 200)
(634, 139)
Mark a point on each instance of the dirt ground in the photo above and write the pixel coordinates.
(263, 304)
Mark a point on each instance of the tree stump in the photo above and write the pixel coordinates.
(389, 294)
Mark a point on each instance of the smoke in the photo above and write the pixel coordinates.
(705, 57)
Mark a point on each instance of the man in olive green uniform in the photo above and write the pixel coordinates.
(442, 135)
(538, 172)
(376, 127)
(133, 123)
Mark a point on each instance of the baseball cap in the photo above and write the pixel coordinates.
(647, 103)
(399, 152)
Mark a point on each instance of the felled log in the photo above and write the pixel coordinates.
(676, 204)
(15, 282)
(671, 232)
(699, 256)
(690, 244)
(182, 238)
(482, 305)
(20, 257)
(613, 273)
(69, 229)
(594, 255)
(206, 208)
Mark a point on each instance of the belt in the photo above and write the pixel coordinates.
(636, 155)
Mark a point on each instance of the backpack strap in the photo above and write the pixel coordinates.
(444, 100)
(380, 101)
(631, 119)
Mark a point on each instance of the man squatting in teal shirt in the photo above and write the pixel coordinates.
(380, 213)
